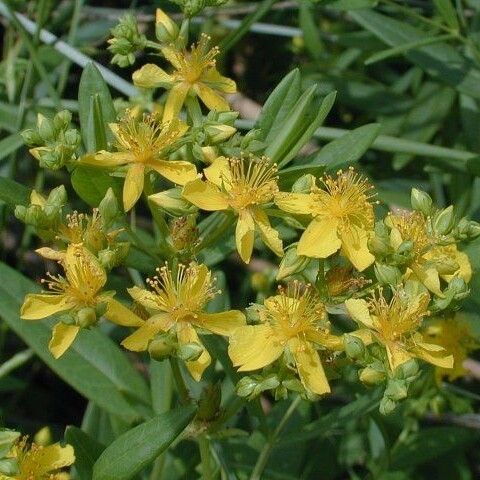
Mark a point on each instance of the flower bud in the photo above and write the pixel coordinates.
(304, 184)
(108, 208)
(45, 128)
(473, 230)
(166, 30)
(219, 133)
(407, 370)
(446, 266)
(291, 263)
(245, 386)
(20, 212)
(444, 221)
(354, 347)
(396, 389)
(62, 120)
(379, 246)
(183, 233)
(172, 202)
(57, 197)
(387, 406)
(388, 274)
(421, 201)
(31, 137)
(209, 154)
(86, 317)
(9, 467)
(189, 352)
(371, 376)
(161, 348)
(43, 437)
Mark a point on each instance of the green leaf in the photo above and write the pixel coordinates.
(278, 105)
(10, 144)
(93, 365)
(447, 12)
(430, 444)
(92, 183)
(310, 30)
(94, 97)
(87, 450)
(346, 150)
(441, 61)
(335, 418)
(141, 445)
(13, 193)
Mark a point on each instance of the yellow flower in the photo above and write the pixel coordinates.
(342, 214)
(177, 304)
(79, 292)
(246, 186)
(36, 462)
(430, 261)
(194, 73)
(144, 145)
(293, 322)
(395, 324)
(455, 335)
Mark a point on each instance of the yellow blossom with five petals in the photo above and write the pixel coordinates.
(245, 186)
(396, 324)
(293, 322)
(36, 462)
(342, 214)
(144, 145)
(194, 73)
(80, 289)
(176, 304)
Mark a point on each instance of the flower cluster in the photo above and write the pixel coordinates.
(358, 289)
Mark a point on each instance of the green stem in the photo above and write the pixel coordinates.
(179, 381)
(205, 457)
(15, 362)
(269, 445)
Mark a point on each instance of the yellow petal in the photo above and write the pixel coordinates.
(121, 315)
(50, 253)
(178, 172)
(107, 159)
(84, 271)
(429, 277)
(396, 355)
(355, 247)
(465, 268)
(364, 335)
(327, 340)
(268, 234)
(296, 203)
(320, 239)
(138, 341)
(37, 199)
(309, 366)
(245, 235)
(215, 80)
(187, 334)
(395, 238)
(205, 195)
(151, 76)
(62, 337)
(133, 186)
(146, 298)
(223, 323)
(434, 354)
(219, 172)
(210, 98)
(358, 310)
(41, 305)
(50, 458)
(253, 347)
(173, 56)
(176, 97)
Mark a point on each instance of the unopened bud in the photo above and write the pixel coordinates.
(387, 274)
(45, 128)
(108, 208)
(161, 348)
(421, 201)
(172, 202)
(189, 352)
(209, 154)
(379, 246)
(396, 390)
(245, 386)
(291, 263)
(62, 120)
(43, 437)
(407, 370)
(219, 133)
(86, 317)
(371, 376)
(304, 184)
(57, 197)
(31, 137)
(444, 221)
(387, 406)
(354, 347)
(473, 229)
(166, 30)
